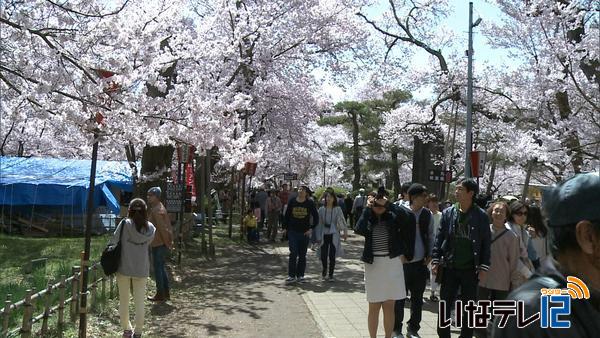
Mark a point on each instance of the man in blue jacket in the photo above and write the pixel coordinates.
(461, 254)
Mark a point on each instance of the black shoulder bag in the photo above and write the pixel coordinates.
(111, 256)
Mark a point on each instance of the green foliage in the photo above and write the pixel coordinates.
(369, 115)
(321, 190)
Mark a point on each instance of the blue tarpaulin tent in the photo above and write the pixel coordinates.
(61, 182)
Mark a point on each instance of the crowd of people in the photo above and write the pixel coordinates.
(467, 250)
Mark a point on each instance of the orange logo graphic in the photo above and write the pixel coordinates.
(577, 288)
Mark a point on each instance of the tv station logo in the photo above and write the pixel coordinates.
(555, 307)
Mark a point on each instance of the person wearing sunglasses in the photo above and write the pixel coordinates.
(389, 231)
(517, 220)
(573, 218)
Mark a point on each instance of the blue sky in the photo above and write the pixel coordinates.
(457, 21)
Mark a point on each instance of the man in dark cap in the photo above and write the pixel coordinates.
(573, 211)
(298, 227)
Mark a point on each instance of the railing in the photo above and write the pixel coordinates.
(28, 303)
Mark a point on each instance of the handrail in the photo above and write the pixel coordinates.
(72, 303)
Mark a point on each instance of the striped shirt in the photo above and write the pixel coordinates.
(380, 240)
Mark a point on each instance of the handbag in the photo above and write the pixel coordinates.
(111, 256)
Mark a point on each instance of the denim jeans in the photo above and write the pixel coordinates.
(298, 244)
(159, 254)
(415, 276)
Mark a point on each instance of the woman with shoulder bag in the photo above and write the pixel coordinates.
(327, 234)
(383, 255)
(134, 266)
(517, 219)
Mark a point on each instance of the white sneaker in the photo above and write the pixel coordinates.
(301, 279)
(290, 280)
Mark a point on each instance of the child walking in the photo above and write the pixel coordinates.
(249, 224)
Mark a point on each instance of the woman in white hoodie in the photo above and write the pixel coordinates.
(134, 267)
(327, 234)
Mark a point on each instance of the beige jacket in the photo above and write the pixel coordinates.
(505, 254)
(164, 233)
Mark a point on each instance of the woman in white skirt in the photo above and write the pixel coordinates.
(382, 226)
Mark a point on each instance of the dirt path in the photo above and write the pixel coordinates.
(240, 294)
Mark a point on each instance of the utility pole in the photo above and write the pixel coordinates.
(469, 131)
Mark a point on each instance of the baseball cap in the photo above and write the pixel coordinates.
(156, 191)
(573, 200)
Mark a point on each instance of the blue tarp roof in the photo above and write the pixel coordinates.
(59, 182)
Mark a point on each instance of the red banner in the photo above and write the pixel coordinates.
(189, 178)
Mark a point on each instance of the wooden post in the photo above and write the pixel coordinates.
(61, 305)
(212, 221)
(27, 313)
(242, 204)
(74, 293)
(111, 286)
(94, 286)
(103, 288)
(230, 201)
(46, 309)
(5, 321)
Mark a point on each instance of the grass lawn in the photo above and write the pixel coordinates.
(61, 253)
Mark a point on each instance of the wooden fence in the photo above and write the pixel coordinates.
(45, 296)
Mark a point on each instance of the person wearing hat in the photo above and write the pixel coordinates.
(360, 201)
(415, 269)
(462, 249)
(298, 228)
(573, 211)
(161, 244)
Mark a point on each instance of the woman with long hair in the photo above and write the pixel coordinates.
(384, 227)
(327, 234)
(539, 233)
(134, 267)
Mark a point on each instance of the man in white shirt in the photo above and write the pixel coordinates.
(415, 270)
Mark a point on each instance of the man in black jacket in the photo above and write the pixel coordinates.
(462, 249)
(573, 211)
(415, 270)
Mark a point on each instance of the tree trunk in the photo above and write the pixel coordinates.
(490, 184)
(355, 151)
(571, 140)
(394, 171)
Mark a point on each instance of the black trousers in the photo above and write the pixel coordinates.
(415, 278)
(328, 250)
(466, 280)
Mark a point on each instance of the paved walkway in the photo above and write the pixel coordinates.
(340, 308)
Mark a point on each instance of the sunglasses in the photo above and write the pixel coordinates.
(521, 213)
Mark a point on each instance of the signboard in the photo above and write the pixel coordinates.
(290, 176)
(478, 163)
(440, 176)
(174, 198)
